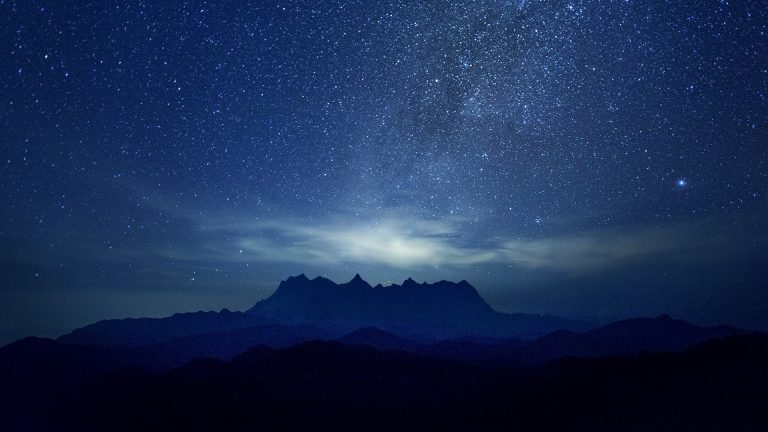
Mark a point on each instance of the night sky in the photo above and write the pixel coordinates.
(592, 159)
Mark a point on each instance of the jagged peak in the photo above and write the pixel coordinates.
(328, 300)
(358, 281)
(301, 281)
(292, 283)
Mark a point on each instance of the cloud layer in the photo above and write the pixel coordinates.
(400, 242)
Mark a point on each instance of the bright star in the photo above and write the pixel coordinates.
(682, 183)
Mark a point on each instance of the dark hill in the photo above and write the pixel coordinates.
(718, 385)
(626, 337)
(379, 339)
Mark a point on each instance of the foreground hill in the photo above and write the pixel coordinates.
(719, 385)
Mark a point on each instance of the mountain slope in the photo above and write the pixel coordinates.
(621, 338)
(147, 331)
(626, 337)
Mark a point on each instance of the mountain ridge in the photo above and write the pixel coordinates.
(621, 338)
(440, 309)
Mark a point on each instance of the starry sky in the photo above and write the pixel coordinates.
(592, 159)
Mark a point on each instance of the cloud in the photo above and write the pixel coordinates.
(403, 242)
(391, 243)
(596, 250)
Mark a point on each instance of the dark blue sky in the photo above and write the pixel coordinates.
(583, 158)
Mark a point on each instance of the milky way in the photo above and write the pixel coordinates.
(587, 158)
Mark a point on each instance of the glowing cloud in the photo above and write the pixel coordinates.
(408, 242)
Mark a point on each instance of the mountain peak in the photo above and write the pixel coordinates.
(358, 281)
(409, 282)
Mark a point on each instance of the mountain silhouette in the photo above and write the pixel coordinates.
(441, 310)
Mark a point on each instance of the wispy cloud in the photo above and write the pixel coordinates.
(600, 249)
(403, 242)
(395, 243)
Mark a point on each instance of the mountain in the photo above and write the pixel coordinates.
(440, 310)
